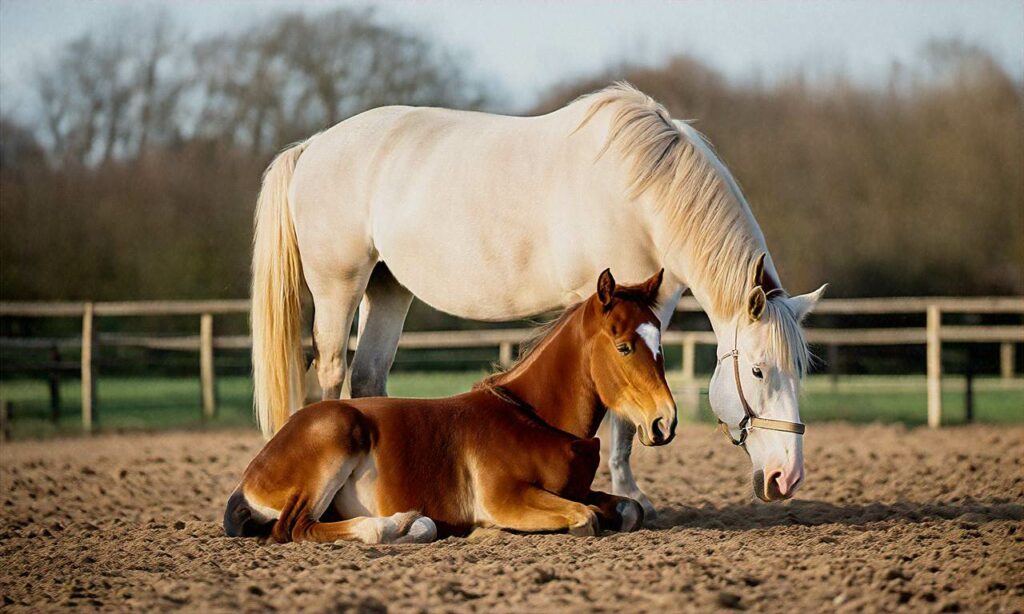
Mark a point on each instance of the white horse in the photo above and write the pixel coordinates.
(496, 218)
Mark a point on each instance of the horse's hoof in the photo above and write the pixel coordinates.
(632, 515)
(587, 528)
(650, 514)
(421, 531)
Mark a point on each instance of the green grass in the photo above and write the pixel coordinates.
(166, 403)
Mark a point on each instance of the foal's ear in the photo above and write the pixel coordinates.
(605, 287)
(756, 301)
(652, 285)
(591, 445)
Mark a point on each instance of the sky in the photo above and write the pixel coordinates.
(526, 46)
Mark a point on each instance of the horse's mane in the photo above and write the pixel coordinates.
(699, 199)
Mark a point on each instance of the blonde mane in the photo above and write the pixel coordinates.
(702, 203)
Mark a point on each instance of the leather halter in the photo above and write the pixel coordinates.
(750, 420)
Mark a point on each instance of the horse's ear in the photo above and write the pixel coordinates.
(605, 287)
(756, 301)
(761, 277)
(804, 304)
(652, 285)
(757, 279)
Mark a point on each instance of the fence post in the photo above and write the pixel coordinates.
(833, 366)
(207, 376)
(1006, 360)
(969, 390)
(5, 420)
(88, 373)
(505, 354)
(54, 380)
(691, 392)
(934, 355)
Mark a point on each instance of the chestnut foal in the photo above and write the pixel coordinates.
(517, 452)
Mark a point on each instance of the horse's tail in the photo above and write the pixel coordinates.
(277, 360)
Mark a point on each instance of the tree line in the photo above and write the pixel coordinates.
(138, 177)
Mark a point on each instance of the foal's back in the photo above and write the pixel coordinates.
(438, 455)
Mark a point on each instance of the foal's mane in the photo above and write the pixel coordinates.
(701, 203)
(541, 335)
(548, 330)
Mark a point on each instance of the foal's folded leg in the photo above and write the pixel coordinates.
(401, 528)
(532, 509)
(616, 513)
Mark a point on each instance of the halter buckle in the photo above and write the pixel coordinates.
(744, 428)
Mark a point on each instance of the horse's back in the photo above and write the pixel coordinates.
(463, 206)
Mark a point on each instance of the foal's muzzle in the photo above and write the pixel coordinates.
(659, 432)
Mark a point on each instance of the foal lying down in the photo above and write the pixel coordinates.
(517, 452)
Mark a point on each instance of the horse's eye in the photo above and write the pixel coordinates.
(624, 349)
(757, 373)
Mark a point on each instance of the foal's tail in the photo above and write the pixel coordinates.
(277, 360)
(239, 520)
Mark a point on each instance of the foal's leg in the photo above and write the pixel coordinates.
(616, 513)
(336, 295)
(401, 528)
(298, 519)
(532, 509)
(381, 316)
(623, 482)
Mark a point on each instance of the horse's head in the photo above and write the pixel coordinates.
(627, 363)
(755, 389)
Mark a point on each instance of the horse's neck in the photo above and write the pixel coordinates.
(557, 383)
(709, 232)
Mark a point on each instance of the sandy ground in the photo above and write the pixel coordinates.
(888, 519)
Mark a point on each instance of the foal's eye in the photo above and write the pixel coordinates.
(624, 349)
(757, 373)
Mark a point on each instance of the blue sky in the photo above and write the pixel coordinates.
(527, 46)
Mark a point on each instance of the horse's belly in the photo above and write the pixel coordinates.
(474, 270)
(507, 262)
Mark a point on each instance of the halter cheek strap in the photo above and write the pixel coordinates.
(750, 420)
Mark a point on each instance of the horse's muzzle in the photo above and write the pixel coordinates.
(771, 490)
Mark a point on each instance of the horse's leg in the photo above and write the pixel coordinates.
(381, 316)
(335, 298)
(533, 509)
(623, 482)
(616, 513)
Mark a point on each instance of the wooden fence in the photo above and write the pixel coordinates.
(932, 335)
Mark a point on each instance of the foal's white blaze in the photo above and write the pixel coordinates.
(651, 335)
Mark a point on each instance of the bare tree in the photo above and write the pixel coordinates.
(299, 74)
(111, 93)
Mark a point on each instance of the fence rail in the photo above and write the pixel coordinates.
(932, 335)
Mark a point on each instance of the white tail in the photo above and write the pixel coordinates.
(277, 360)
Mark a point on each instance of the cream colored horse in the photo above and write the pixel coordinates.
(496, 218)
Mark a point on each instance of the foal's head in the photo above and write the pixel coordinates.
(626, 362)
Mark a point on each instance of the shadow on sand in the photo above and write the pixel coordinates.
(742, 517)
